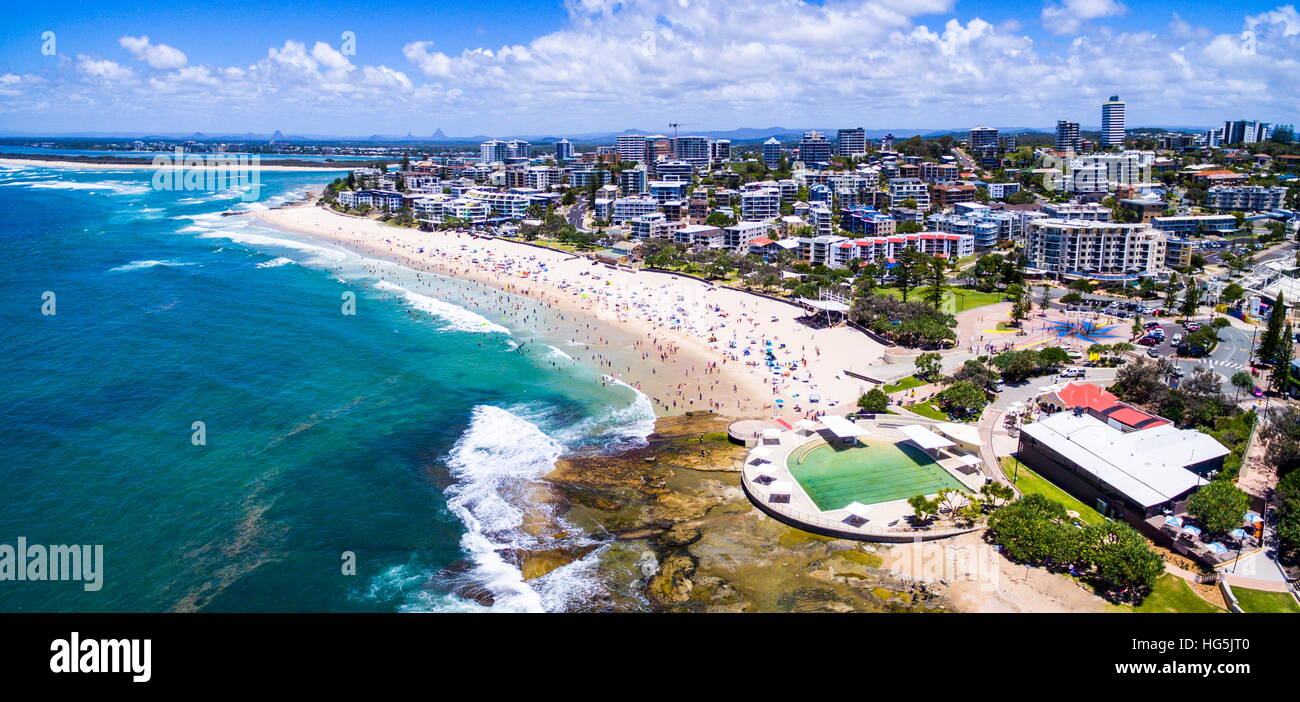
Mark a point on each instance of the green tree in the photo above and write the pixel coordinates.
(1272, 336)
(936, 274)
(907, 271)
(1243, 381)
(962, 399)
(1288, 514)
(1191, 299)
(1219, 505)
(923, 507)
(927, 365)
(875, 402)
(1281, 375)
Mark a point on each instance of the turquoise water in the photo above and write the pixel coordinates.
(410, 433)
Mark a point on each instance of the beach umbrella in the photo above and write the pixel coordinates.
(1237, 533)
(1253, 518)
(1174, 521)
(1191, 530)
(1217, 547)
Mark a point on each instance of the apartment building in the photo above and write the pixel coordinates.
(887, 248)
(761, 204)
(740, 235)
(1067, 137)
(914, 189)
(700, 236)
(867, 221)
(814, 148)
(625, 209)
(1245, 198)
(654, 225)
(1192, 225)
(1095, 249)
(665, 190)
(851, 143)
(1087, 211)
(772, 153)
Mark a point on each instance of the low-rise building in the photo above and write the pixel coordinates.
(1131, 475)
(1247, 198)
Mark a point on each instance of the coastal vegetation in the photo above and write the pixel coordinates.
(1197, 403)
(1113, 557)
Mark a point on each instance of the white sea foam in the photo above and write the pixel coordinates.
(496, 464)
(454, 316)
(239, 232)
(275, 262)
(112, 186)
(139, 265)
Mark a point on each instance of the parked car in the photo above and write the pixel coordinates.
(1073, 373)
(1149, 341)
(1153, 352)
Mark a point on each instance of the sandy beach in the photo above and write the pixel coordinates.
(87, 165)
(685, 343)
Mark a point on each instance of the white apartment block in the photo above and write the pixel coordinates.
(700, 236)
(1096, 250)
(874, 249)
(628, 208)
(1099, 173)
(542, 177)
(1090, 211)
(915, 189)
(500, 204)
(654, 225)
(666, 190)
(631, 147)
(819, 216)
(760, 204)
(741, 234)
(1245, 198)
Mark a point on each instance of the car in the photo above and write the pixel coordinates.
(1257, 391)
(1152, 325)
(1177, 338)
(1073, 373)
(1153, 352)
(1149, 341)
(1178, 372)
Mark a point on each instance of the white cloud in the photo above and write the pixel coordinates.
(158, 56)
(103, 69)
(1069, 16)
(714, 64)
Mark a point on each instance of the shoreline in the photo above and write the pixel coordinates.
(672, 329)
(45, 162)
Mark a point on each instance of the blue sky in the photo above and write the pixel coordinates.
(596, 65)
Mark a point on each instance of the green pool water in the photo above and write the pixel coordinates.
(871, 472)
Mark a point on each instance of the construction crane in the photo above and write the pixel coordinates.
(675, 125)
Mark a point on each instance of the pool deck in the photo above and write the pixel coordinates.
(887, 521)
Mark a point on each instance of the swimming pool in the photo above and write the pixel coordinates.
(872, 472)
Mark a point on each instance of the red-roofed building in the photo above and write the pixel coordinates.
(1101, 404)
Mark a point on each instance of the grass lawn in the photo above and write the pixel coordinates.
(955, 300)
(925, 409)
(1171, 595)
(1263, 601)
(907, 383)
(1031, 483)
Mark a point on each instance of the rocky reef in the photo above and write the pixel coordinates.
(684, 538)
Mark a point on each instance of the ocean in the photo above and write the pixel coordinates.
(408, 438)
